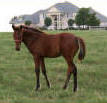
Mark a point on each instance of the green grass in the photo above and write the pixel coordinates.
(17, 76)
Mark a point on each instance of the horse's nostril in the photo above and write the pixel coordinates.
(18, 49)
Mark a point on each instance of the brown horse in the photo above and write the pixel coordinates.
(42, 45)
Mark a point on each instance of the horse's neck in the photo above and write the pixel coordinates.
(30, 38)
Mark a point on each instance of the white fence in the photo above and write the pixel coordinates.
(77, 28)
(97, 28)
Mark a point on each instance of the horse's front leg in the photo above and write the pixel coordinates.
(37, 71)
(44, 71)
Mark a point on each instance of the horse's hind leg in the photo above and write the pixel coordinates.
(44, 72)
(75, 77)
(69, 71)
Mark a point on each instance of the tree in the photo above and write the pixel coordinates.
(70, 22)
(82, 16)
(28, 22)
(93, 20)
(47, 21)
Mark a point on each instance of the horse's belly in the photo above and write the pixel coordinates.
(53, 51)
(53, 55)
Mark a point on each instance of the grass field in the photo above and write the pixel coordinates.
(17, 76)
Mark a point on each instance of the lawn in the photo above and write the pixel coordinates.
(17, 76)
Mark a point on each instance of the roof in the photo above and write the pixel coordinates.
(66, 7)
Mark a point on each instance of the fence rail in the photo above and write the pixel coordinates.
(97, 28)
(76, 28)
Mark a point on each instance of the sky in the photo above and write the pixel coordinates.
(11, 8)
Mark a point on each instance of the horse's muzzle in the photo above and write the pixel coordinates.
(17, 49)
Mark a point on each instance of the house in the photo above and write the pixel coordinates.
(59, 13)
(59, 18)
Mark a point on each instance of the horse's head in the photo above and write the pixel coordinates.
(18, 36)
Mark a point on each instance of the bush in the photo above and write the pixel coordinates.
(28, 22)
(47, 21)
(70, 22)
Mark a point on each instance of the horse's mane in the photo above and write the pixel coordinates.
(32, 29)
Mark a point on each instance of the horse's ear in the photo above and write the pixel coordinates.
(13, 26)
(21, 26)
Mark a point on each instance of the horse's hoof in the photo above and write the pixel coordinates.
(75, 89)
(64, 87)
(49, 86)
(37, 88)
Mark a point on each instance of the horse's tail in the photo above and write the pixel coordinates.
(82, 48)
